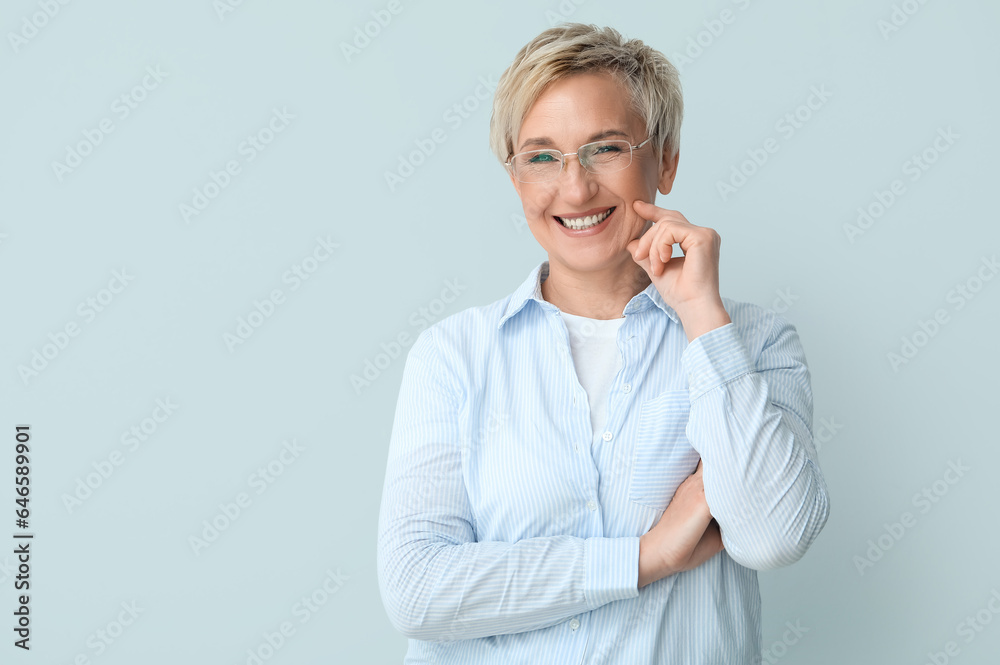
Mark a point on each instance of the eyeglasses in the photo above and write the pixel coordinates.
(599, 157)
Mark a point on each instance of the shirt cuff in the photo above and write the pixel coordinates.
(612, 569)
(713, 358)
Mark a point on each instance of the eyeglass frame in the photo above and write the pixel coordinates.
(562, 165)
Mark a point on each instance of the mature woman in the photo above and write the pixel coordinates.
(594, 468)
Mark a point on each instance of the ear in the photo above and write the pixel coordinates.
(668, 171)
(514, 181)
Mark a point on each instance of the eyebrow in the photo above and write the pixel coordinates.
(545, 140)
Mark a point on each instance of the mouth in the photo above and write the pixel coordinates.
(581, 222)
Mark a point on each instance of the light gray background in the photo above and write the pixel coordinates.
(890, 432)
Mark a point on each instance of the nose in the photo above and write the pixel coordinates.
(578, 183)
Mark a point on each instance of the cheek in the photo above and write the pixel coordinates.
(633, 227)
(536, 207)
(631, 220)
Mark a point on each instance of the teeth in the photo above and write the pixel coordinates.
(578, 223)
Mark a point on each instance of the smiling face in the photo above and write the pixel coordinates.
(573, 111)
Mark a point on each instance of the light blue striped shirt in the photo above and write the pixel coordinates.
(509, 530)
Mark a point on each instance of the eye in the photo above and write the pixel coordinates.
(543, 157)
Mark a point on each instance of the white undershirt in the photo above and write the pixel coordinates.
(597, 360)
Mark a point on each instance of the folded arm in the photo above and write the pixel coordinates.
(751, 423)
(436, 581)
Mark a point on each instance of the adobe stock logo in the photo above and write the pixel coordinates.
(88, 310)
(968, 628)
(914, 167)
(959, 296)
(272, 642)
(223, 7)
(250, 148)
(701, 42)
(263, 309)
(30, 26)
(372, 29)
(900, 16)
(421, 319)
(104, 468)
(231, 511)
(122, 106)
(924, 500)
(455, 115)
(787, 126)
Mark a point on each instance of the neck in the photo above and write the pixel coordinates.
(598, 294)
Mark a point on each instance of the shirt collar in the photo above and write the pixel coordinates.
(531, 289)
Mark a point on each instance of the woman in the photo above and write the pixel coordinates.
(593, 468)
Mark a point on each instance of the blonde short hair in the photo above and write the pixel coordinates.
(574, 48)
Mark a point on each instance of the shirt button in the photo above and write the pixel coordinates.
(574, 624)
(591, 505)
(607, 436)
(627, 387)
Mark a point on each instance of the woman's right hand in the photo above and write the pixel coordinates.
(685, 536)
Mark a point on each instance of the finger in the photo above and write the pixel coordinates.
(657, 213)
(641, 251)
(644, 207)
(660, 247)
(649, 211)
(655, 264)
(633, 248)
(647, 240)
(666, 253)
(661, 241)
(650, 236)
(655, 247)
(642, 244)
(670, 232)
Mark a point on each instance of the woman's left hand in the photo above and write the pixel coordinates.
(685, 282)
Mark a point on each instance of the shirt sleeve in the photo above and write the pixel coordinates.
(751, 422)
(436, 581)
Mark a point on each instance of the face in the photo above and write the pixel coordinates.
(571, 112)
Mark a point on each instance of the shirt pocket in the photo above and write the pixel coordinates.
(663, 457)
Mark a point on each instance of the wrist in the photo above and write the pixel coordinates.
(651, 566)
(698, 318)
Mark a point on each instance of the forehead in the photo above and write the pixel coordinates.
(573, 110)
